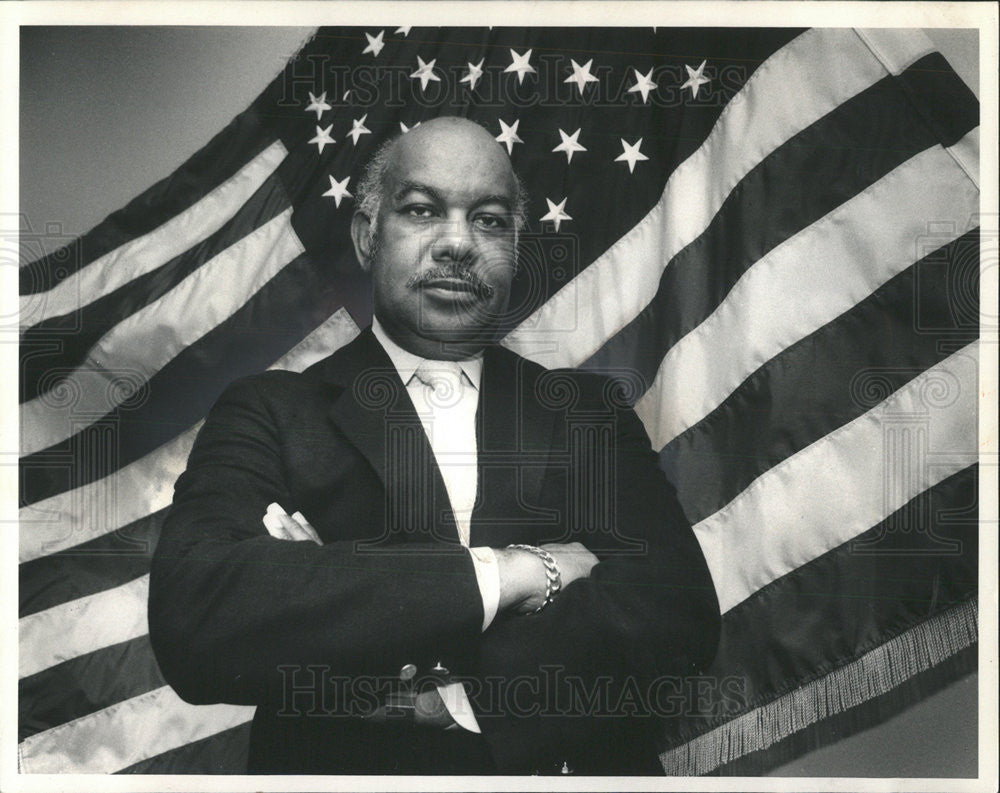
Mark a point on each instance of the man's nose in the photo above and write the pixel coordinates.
(454, 242)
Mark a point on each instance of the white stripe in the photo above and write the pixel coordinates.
(126, 733)
(806, 282)
(795, 87)
(146, 253)
(966, 154)
(82, 626)
(145, 486)
(847, 482)
(136, 348)
(896, 49)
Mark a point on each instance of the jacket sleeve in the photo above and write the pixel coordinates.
(598, 651)
(229, 606)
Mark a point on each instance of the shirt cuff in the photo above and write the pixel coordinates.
(484, 560)
(457, 702)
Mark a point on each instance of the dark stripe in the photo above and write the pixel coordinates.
(302, 295)
(947, 105)
(85, 685)
(867, 715)
(102, 563)
(222, 753)
(918, 562)
(814, 172)
(78, 331)
(830, 377)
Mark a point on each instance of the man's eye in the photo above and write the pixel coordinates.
(491, 222)
(419, 211)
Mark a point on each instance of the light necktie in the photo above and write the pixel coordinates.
(443, 380)
(448, 414)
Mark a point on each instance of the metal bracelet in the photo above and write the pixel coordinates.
(553, 578)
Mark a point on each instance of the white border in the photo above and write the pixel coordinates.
(982, 16)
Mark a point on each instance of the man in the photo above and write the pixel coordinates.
(387, 625)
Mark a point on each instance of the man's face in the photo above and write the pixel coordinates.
(444, 248)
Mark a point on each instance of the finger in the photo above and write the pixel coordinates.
(275, 527)
(292, 527)
(313, 535)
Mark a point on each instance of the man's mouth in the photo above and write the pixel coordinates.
(454, 285)
(450, 284)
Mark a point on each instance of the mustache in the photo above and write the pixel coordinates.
(476, 284)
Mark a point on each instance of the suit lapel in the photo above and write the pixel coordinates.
(374, 412)
(514, 436)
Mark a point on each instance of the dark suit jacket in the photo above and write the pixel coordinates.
(313, 634)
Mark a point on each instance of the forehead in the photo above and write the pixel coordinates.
(459, 164)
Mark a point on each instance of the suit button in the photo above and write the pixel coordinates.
(408, 672)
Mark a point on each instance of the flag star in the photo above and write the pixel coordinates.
(581, 75)
(508, 135)
(404, 31)
(696, 79)
(556, 213)
(405, 128)
(631, 154)
(569, 145)
(425, 73)
(475, 72)
(318, 103)
(375, 44)
(322, 137)
(643, 84)
(338, 190)
(519, 64)
(358, 129)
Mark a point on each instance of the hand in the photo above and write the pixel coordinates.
(573, 559)
(282, 526)
(429, 710)
(522, 573)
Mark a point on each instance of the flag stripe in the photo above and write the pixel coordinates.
(99, 314)
(103, 562)
(795, 87)
(147, 253)
(241, 141)
(835, 269)
(920, 560)
(125, 733)
(222, 753)
(827, 379)
(81, 626)
(83, 685)
(840, 155)
(808, 488)
(301, 296)
(128, 355)
(879, 671)
(146, 485)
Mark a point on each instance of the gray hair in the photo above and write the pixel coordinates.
(371, 191)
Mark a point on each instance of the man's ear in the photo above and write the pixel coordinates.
(360, 227)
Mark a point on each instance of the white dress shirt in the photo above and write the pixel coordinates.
(446, 398)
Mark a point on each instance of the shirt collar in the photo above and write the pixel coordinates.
(406, 362)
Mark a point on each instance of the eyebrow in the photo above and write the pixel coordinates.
(408, 187)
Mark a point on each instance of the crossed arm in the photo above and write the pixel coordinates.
(229, 603)
(522, 588)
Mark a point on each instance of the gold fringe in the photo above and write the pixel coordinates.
(875, 673)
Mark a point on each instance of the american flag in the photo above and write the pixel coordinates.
(770, 236)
